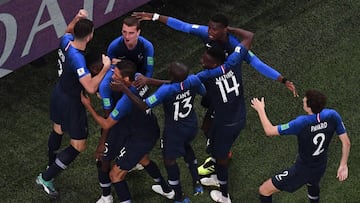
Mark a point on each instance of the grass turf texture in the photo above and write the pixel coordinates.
(313, 43)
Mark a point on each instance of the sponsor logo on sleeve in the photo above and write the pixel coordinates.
(80, 71)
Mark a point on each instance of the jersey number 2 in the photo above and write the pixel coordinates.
(319, 140)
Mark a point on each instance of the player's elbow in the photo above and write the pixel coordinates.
(270, 131)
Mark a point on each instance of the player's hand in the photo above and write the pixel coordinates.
(106, 61)
(142, 15)
(140, 81)
(82, 14)
(99, 153)
(342, 173)
(117, 86)
(114, 61)
(257, 104)
(290, 85)
(85, 99)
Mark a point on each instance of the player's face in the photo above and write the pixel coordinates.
(117, 77)
(130, 34)
(216, 31)
(208, 62)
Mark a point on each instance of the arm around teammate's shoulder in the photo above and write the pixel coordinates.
(91, 84)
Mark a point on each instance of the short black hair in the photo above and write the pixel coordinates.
(217, 53)
(178, 71)
(127, 69)
(93, 57)
(220, 18)
(315, 100)
(83, 28)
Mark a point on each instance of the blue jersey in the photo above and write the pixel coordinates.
(178, 101)
(201, 31)
(314, 133)
(141, 121)
(224, 84)
(72, 67)
(142, 54)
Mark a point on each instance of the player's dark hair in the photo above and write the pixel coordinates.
(217, 53)
(93, 59)
(127, 69)
(315, 100)
(220, 18)
(178, 71)
(83, 28)
(132, 21)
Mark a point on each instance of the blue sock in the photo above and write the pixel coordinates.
(191, 161)
(122, 191)
(265, 199)
(153, 170)
(54, 144)
(174, 180)
(105, 182)
(222, 175)
(64, 158)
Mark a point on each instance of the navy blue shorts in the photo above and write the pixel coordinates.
(70, 113)
(136, 146)
(116, 140)
(221, 138)
(175, 139)
(298, 175)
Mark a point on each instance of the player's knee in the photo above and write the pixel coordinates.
(116, 174)
(79, 145)
(145, 160)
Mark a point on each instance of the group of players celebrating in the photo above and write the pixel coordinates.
(129, 128)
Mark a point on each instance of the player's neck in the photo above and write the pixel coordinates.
(79, 45)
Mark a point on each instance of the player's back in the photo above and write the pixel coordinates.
(315, 136)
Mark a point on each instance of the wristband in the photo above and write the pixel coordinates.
(155, 17)
(284, 80)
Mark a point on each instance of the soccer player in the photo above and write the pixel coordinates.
(180, 126)
(66, 110)
(135, 146)
(224, 84)
(314, 132)
(217, 33)
(130, 46)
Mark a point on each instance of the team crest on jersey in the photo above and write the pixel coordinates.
(81, 71)
(237, 49)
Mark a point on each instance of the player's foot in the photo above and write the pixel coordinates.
(47, 186)
(138, 167)
(198, 189)
(218, 197)
(185, 200)
(207, 168)
(106, 199)
(211, 181)
(158, 189)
